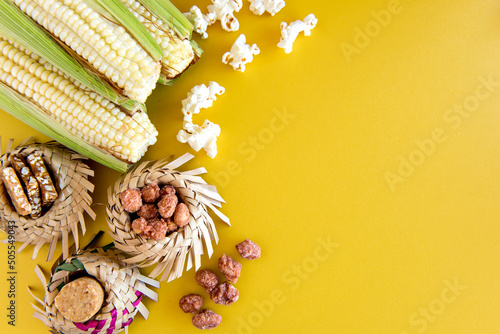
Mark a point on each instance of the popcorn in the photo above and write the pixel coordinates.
(197, 136)
(200, 21)
(240, 54)
(199, 97)
(224, 11)
(258, 7)
(290, 32)
(201, 137)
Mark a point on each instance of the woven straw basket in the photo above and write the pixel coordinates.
(124, 289)
(181, 248)
(65, 214)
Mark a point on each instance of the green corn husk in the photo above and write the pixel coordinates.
(182, 28)
(123, 16)
(198, 51)
(166, 11)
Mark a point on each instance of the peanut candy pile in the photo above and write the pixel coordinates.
(157, 211)
(220, 293)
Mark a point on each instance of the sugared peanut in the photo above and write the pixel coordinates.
(151, 192)
(167, 205)
(224, 294)
(131, 200)
(167, 190)
(230, 268)
(206, 319)
(191, 303)
(181, 215)
(140, 225)
(148, 211)
(206, 279)
(171, 226)
(248, 249)
(158, 229)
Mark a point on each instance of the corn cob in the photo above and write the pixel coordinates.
(18, 27)
(75, 113)
(89, 31)
(178, 53)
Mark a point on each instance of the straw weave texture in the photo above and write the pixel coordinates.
(182, 248)
(124, 290)
(66, 215)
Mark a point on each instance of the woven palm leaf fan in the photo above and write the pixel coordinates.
(182, 248)
(124, 288)
(66, 214)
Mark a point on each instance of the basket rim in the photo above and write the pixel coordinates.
(114, 310)
(187, 244)
(66, 215)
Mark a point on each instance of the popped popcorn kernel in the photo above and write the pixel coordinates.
(258, 7)
(199, 97)
(290, 32)
(240, 54)
(199, 137)
(224, 12)
(204, 136)
(200, 21)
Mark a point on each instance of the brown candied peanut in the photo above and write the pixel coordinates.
(151, 192)
(248, 249)
(140, 225)
(206, 279)
(171, 226)
(230, 268)
(131, 200)
(206, 319)
(191, 303)
(148, 211)
(167, 190)
(181, 215)
(224, 294)
(158, 229)
(167, 205)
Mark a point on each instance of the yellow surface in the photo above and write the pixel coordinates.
(378, 159)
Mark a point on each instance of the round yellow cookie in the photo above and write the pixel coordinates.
(80, 300)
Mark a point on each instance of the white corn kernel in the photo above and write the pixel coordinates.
(93, 36)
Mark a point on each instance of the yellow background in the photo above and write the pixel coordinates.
(355, 117)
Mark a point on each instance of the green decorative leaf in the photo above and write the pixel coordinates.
(94, 240)
(104, 248)
(67, 267)
(78, 264)
(108, 246)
